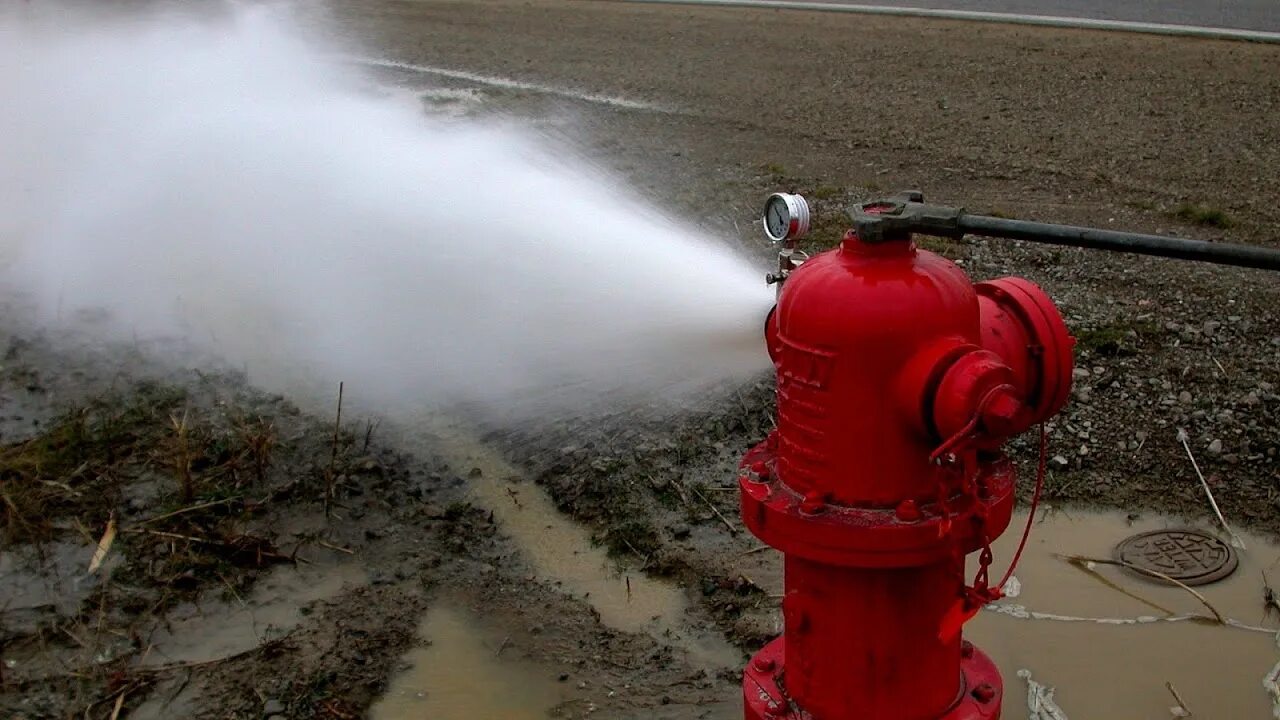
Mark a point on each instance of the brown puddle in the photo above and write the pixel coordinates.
(461, 674)
(562, 551)
(1100, 665)
(1106, 670)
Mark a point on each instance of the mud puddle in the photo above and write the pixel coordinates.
(1103, 665)
(465, 670)
(217, 629)
(562, 552)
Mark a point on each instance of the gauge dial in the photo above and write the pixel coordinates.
(786, 217)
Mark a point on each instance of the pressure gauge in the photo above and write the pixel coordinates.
(786, 217)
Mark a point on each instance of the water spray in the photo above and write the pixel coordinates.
(238, 187)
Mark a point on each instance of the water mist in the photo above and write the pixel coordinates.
(223, 180)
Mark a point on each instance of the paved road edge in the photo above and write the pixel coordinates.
(1214, 33)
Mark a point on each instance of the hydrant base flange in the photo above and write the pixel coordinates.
(765, 696)
(869, 537)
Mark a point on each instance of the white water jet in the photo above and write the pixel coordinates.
(222, 179)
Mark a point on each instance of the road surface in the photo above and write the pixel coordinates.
(1261, 16)
(1242, 14)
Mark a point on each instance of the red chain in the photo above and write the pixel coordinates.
(974, 597)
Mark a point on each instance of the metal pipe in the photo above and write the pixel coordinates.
(1219, 253)
(897, 217)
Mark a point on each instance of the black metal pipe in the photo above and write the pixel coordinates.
(1220, 253)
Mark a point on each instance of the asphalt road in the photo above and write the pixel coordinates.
(1260, 15)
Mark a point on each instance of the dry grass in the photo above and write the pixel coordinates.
(81, 470)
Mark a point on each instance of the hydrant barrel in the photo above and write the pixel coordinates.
(876, 633)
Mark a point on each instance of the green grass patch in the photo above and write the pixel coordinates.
(1204, 215)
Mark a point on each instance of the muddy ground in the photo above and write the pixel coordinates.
(224, 498)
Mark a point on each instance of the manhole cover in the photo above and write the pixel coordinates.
(1189, 556)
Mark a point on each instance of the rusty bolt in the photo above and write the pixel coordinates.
(763, 664)
(813, 503)
(759, 472)
(1000, 411)
(907, 511)
(984, 693)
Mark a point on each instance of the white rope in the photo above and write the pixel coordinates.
(1021, 612)
(1271, 683)
(1040, 702)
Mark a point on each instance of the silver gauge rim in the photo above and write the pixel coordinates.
(797, 216)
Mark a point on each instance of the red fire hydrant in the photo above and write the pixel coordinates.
(897, 382)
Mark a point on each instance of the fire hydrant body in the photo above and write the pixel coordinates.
(897, 381)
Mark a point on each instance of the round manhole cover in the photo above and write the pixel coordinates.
(1188, 556)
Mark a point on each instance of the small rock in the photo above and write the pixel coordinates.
(1215, 447)
(272, 706)
(1060, 460)
(475, 472)
(1184, 397)
(1211, 326)
(1081, 372)
(564, 677)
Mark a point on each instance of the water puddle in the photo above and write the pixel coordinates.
(41, 582)
(465, 672)
(1107, 670)
(561, 551)
(1102, 666)
(216, 629)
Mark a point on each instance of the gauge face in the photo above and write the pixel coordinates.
(786, 217)
(777, 217)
